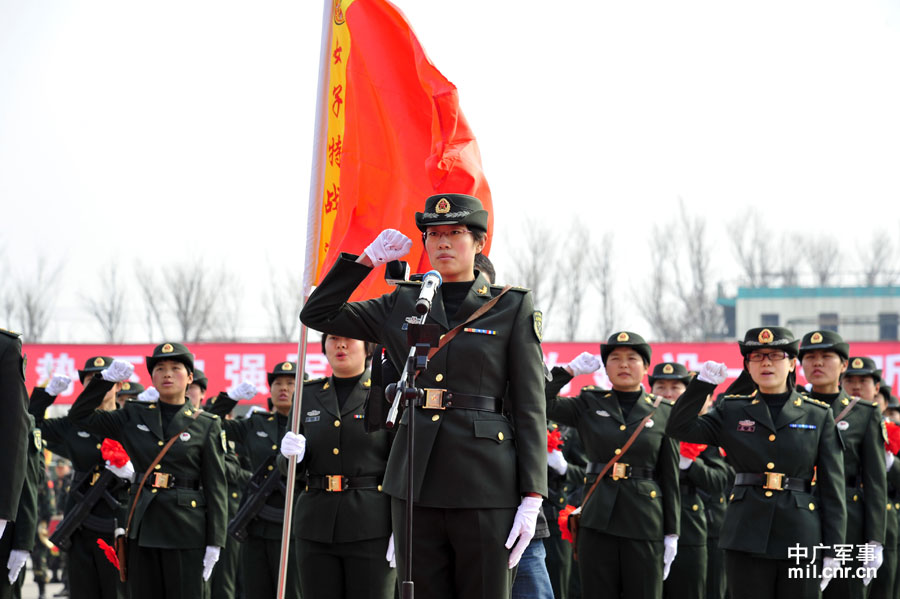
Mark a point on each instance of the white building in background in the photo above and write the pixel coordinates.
(856, 313)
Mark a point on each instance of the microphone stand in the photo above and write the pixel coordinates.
(422, 337)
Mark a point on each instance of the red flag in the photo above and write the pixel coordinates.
(394, 135)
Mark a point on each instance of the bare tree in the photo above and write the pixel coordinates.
(823, 255)
(576, 262)
(154, 303)
(535, 265)
(108, 305)
(653, 298)
(601, 276)
(878, 260)
(34, 295)
(701, 316)
(748, 243)
(227, 316)
(282, 300)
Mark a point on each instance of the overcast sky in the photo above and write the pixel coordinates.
(182, 130)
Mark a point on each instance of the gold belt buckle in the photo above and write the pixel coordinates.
(161, 480)
(94, 478)
(335, 482)
(620, 470)
(774, 481)
(434, 399)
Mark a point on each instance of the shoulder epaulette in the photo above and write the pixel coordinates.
(738, 396)
(315, 381)
(814, 401)
(12, 334)
(591, 388)
(208, 415)
(414, 283)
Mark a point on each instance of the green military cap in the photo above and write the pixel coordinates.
(625, 339)
(282, 369)
(670, 371)
(171, 351)
(130, 389)
(94, 364)
(769, 337)
(862, 366)
(890, 400)
(200, 379)
(453, 209)
(825, 340)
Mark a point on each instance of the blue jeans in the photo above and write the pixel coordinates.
(532, 580)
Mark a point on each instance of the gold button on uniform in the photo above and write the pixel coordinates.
(193, 503)
(562, 499)
(500, 436)
(771, 437)
(154, 490)
(622, 427)
(618, 451)
(652, 494)
(99, 445)
(274, 448)
(337, 423)
(770, 465)
(335, 451)
(234, 494)
(439, 377)
(695, 507)
(160, 443)
(722, 499)
(889, 506)
(768, 493)
(271, 468)
(379, 488)
(731, 498)
(157, 467)
(812, 506)
(435, 418)
(855, 498)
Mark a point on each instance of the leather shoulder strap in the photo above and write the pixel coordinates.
(628, 443)
(449, 335)
(156, 460)
(846, 410)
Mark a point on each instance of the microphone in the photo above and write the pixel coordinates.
(430, 282)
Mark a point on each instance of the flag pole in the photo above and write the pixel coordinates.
(313, 233)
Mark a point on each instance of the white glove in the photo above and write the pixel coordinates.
(523, 528)
(243, 391)
(877, 559)
(713, 372)
(584, 363)
(671, 550)
(684, 463)
(2, 527)
(209, 560)
(58, 384)
(118, 371)
(828, 566)
(888, 459)
(17, 559)
(389, 556)
(150, 394)
(126, 472)
(557, 461)
(389, 245)
(293, 444)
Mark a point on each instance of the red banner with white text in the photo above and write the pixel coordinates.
(228, 364)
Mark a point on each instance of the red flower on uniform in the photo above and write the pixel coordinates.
(692, 450)
(564, 523)
(554, 440)
(114, 452)
(893, 437)
(108, 551)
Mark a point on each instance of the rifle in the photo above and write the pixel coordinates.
(97, 490)
(253, 504)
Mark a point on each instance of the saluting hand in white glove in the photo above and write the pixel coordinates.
(584, 363)
(118, 371)
(58, 384)
(388, 246)
(245, 390)
(714, 373)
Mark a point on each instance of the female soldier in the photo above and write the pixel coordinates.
(478, 474)
(90, 573)
(629, 527)
(258, 435)
(179, 520)
(776, 439)
(343, 519)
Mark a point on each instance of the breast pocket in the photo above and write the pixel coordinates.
(498, 431)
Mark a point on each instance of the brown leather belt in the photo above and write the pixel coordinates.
(337, 483)
(772, 481)
(441, 399)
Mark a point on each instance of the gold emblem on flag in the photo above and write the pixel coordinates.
(338, 13)
(167, 348)
(765, 336)
(668, 369)
(99, 362)
(623, 337)
(287, 366)
(816, 338)
(443, 206)
(857, 363)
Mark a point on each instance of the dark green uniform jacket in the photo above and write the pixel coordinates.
(863, 469)
(463, 458)
(703, 481)
(83, 449)
(803, 437)
(174, 518)
(645, 508)
(337, 443)
(14, 429)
